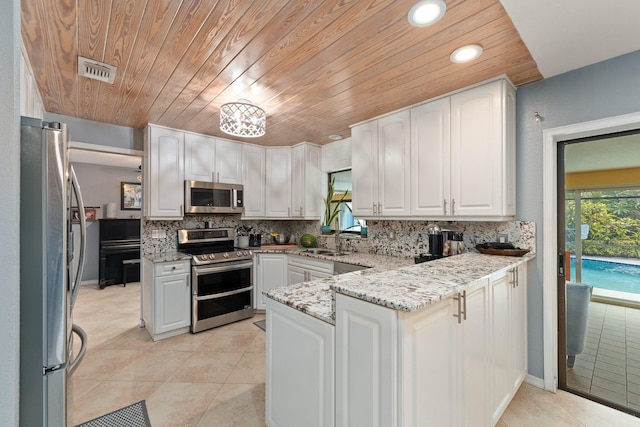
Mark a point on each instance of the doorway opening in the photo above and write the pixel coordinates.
(598, 281)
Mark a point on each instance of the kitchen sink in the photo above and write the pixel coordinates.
(320, 251)
(343, 267)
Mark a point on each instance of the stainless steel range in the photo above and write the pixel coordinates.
(221, 277)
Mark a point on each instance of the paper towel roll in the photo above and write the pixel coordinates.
(111, 210)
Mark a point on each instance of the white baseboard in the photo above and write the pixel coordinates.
(535, 381)
(89, 282)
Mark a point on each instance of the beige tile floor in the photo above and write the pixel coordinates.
(216, 378)
(609, 367)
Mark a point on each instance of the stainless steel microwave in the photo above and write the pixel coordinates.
(212, 198)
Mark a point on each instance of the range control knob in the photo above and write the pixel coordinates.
(225, 255)
(239, 254)
(245, 253)
(212, 256)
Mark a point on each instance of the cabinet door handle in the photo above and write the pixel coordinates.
(458, 298)
(445, 206)
(181, 210)
(517, 277)
(375, 212)
(288, 212)
(453, 206)
(218, 178)
(300, 210)
(464, 304)
(379, 208)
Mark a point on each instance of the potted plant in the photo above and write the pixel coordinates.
(331, 208)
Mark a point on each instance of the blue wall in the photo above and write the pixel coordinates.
(92, 132)
(607, 89)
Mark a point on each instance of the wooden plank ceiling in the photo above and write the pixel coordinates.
(315, 67)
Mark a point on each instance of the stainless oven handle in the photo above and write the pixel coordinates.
(204, 269)
(234, 197)
(223, 294)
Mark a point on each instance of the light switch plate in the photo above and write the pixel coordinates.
(503, 238)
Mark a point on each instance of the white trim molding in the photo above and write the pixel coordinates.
(550, 246)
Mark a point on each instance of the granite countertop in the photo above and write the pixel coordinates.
(167, 256)
(402, 285)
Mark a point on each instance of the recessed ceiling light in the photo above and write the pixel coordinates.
(466, 53)
(426, 12)
(335, 137)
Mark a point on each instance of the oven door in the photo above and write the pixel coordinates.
(222, 293)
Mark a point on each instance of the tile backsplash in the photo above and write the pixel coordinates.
(410, 238)
(397, 238)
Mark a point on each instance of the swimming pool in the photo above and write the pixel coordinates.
(609, 275)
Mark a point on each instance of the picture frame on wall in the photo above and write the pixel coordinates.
(89, 214)
(131, 196)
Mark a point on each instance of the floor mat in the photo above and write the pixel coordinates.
(135, 415)
(262, 324)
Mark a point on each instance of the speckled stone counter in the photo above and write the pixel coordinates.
(167, 256)
(395, 283)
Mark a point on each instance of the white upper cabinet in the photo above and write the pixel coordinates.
(336, 155)
(483, 151)
(212, 160)
(164, 173)
(228, 162)
(394, 154)
(453, 158)
(364, 159)
(278, 182)
(381, 177)
(430, 157)
(199, 157)
(306, 181)
(253, 179)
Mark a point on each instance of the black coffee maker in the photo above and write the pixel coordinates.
(436, 245)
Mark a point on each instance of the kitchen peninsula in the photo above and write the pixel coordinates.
(433, 344)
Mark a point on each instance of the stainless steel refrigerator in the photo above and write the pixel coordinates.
(48, 283)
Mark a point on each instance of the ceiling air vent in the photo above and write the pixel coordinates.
(96, 70)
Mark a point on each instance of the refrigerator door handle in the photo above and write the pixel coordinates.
(83, 236)
(83, 348)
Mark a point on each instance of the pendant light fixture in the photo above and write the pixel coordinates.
(243, 119)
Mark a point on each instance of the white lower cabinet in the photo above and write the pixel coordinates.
(300, 376)
(166, 291)
(366, 364)
(270, 273)
(509, 336)
(458, 363)
(302, 269)
(519, 329)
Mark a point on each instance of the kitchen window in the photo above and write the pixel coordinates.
(345, 219)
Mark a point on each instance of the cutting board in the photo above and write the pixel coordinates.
(287, 246)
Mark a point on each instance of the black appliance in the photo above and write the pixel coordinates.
(221, 277)
(435, 241)
(119, 249)
(424, 258)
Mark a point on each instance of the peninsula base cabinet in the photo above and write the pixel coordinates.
(166, 292)
(300, 376)
(457, 363)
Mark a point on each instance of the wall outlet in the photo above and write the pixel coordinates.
(158, 234)
(392, 235)
(502, 238)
